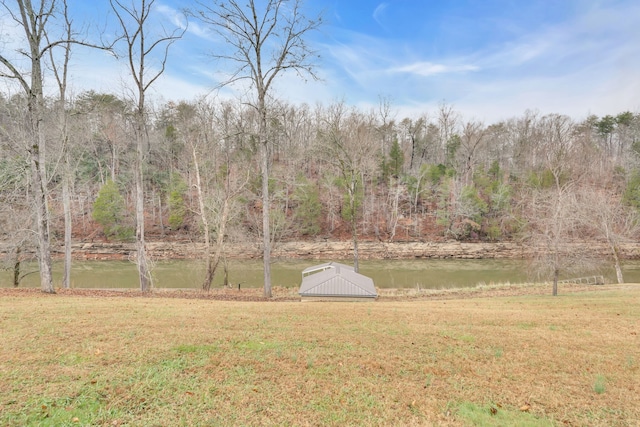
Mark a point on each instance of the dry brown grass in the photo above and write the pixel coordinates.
(122, 359)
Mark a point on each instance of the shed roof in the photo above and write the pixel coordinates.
(336, 280)
(327, 265)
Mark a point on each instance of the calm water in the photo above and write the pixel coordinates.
(385, 273)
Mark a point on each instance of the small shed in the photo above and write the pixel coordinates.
(335, 281)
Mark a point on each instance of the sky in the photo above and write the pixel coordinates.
(488, 59)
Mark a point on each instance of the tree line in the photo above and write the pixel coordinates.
(102, 166)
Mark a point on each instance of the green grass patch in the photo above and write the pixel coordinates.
(494, 415)
(600, 384)
(196, 349)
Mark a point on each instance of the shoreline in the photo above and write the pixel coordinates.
(282, 294)
(325, 250)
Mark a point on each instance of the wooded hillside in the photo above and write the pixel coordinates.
(434, 177)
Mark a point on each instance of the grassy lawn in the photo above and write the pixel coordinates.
(517, 360)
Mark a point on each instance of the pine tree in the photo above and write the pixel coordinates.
(177, 205)
(109, 212)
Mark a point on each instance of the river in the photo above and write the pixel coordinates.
(426, 274)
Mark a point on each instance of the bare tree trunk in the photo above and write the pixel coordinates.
(160, 215)
(39, 181)
(356, 255)
(142, 261)
(210, 270)
(42, 219)
(416, 199)
(225, 281)
(618, 267)
(61, 75)
(214, 261)
(16, 267)
(66, 204)
(395, 216)
(210, 267)
(266, 226)
(144, 272)
(354, 224)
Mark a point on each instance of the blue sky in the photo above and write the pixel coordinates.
(489, 59)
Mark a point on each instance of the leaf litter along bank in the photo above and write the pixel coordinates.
(283, 294)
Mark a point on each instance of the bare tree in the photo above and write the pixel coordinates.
(552, 205)
(104, 118)
(386, 129)
(38, 25)
(61, 74)
(46, 27)
(523, 143)
(219, 186)
(414, 132)
(347, 142)
(472, 139)
(551, 229)
(448, 120)
(136, 24)
(604, 212)
(16, 220)
(265, 41)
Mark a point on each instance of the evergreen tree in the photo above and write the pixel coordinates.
(309, 208)
(396, 159)
(109, 212)
(177, 204)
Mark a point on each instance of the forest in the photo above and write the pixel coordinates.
(108, 167)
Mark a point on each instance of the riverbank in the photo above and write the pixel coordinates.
(289, 294)
(324, 250)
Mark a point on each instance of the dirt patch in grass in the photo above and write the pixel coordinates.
(494, 356)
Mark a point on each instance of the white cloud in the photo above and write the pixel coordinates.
(200, 31)
(176, 17)
(358, 61)
(426, 69)
(379, 12)
(176, 88)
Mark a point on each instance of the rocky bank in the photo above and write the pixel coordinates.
(325, 250)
